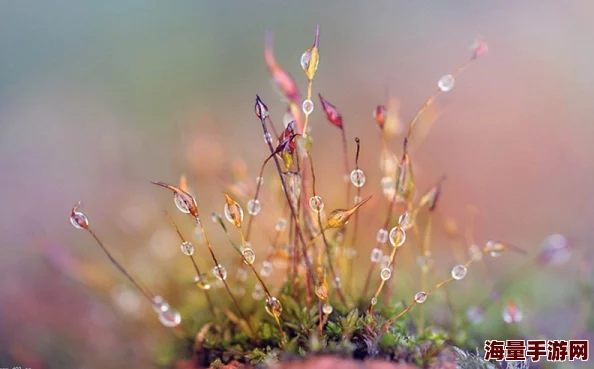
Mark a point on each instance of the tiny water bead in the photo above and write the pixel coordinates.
(382, 236)
(446, 82)
(249, 256)
(316, 204)
(307, 106)
(327, 309)
(254, 206)
(202, 282)
(397, 236)
(78, 219)
(459, 272)
(385, 274)
(169, 317)
(358, 178)
(376, 255)
(273, 307)
(187, 248)
(267, 137)
(281, 225)
(420, 297)
(233, 212)
(373, 301)
(259, 181)
(405, 221)
(266, 269)
(182, 203)
(219, 272)
(258, 292)
(495, 248)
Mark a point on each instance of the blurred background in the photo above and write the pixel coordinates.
(99, 98)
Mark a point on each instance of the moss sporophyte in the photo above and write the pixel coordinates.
(304, 297)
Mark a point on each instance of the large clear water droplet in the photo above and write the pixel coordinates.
(187, 248)
(307, 106)
(181, 202)
(382, 236)
(358, 178)
(219, 272)
(421, 297)
(446, 83)
(385, 274)
(376, 255)
(316, 204)
(459, 272)
(397, 236)
(249, 256)
(254, 206)
(273, 307)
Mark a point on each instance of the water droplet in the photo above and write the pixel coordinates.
(316, 204)
(187, 248)
(219, 272)
(266, 269)
(158, 304)
(512, 313)
(241, 274)
(495, 248)
(327, 309)
(78, 219)
(307, 106)
(202, 282)
(305, 62)
(322, 290)
(182, 203)
(420, 297)
(281, 225)
(258, 292)
(268, 138)
(385, 274)
(373, 301)
(170, 317)
(233, 212)
(337, 281)
(254, 206)
(459, 272)
(376, 255)
(249, 256)
(358, 178)
(475, 253)
(273, 307)
(382, 236)
(405, 221)
(397, 236)
(357, 199)
(475, 315)
(388, 187)
(446, 83)
(350, 253)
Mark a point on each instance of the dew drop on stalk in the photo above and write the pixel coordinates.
(258, 292)
(281, 225)
(202, 282)
(241, 274)
(420, 297)
(475, 253)
(397, 236)
(446, 82)
(382, 236)
(385, 274)
(406, 221)
(181, 202)
(219, 272)
(337, 282)
(459, 272)
(357, 199)
(373, 301)
(357, 178)
(322, 290)
(259, 181)
(254, 206)
(307, 106)
(78, 219)
(316, 204)
(266, 269)
(273, 307)
(169, 317)
(495, 248)
(376, 255)
(327, 309)
(233, 212)
(159, 304)
(249, 256)
(187, 248)
(267, 137)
